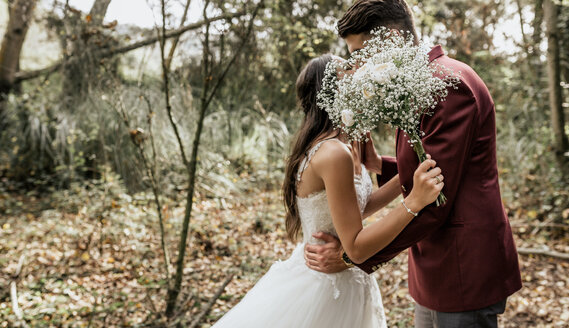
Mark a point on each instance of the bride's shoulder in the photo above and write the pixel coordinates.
(333, 153)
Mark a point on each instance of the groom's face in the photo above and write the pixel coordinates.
(356, 41)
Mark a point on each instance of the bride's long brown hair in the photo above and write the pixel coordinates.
(316, 123)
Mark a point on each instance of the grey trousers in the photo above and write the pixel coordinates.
(483, 318)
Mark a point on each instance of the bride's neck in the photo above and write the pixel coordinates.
(342, 137)
(337, 134)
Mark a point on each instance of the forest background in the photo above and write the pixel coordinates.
(142, 149)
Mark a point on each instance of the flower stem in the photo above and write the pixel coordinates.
(420, 151)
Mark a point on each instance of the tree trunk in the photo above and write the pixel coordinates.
(536, 24)
(20, 16)
(98, 11)
(83, 37)
(192, 163)
(560, 142)
(525, 43)
(564, 46)
(535, 60)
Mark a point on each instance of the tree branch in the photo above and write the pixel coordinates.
(137, 137)
(237, 53)
(211, 302)
(14, 291)
(27, 75)
(177, 39)
(206, 98)
(538, 251)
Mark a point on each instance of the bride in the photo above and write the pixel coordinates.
(326, 188)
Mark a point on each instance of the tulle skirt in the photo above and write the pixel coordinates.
(292, 295)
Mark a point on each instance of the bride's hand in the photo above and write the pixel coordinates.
(427, 185)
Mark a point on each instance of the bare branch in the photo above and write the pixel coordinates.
(235, 55)
(14, 291)
(211, 302)
(177, 39)
(538, 251)
(192, 166)
(27, 75)
(137, 138)
(98, 11)
(165, 72)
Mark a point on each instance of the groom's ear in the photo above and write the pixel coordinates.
(356, 41)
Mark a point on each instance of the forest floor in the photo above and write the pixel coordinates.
(91, 257)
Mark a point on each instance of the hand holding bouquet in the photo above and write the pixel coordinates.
(393, 83)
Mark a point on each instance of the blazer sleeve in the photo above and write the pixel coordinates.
(449, 135)
(388, 170)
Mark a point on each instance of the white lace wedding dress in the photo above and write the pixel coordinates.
(290, 295)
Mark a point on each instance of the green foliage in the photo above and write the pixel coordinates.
(74, 177)
(247, 128)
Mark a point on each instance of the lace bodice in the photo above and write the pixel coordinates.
(314, 211)
(291, 294)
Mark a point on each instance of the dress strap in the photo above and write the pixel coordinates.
(307, 158)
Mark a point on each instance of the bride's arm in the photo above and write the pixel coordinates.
(335, 167)
(383, 196)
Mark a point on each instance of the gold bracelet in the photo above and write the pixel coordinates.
(407, 208)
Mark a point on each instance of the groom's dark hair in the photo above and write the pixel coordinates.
(365, 15)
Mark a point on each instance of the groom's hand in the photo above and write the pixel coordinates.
(370, 157)
(325, 258)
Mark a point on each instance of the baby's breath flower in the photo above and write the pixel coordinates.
(394, 84)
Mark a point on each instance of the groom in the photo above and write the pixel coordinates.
(462, 260)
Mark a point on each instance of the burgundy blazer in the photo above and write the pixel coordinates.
(462, 255)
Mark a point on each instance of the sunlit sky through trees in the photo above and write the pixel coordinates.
(146, 13)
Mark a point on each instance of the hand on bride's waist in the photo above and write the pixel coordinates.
(327, 257)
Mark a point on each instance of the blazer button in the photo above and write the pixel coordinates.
(403, 188)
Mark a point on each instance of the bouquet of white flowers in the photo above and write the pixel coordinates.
(389, 81)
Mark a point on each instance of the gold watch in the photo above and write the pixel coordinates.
(347, 260)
